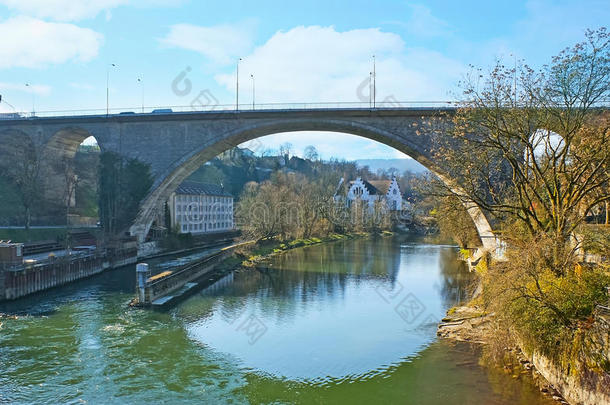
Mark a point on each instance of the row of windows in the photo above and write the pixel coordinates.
(188, 217)
(202, 197)
(200, 207)
(206, 227)
(358, 191)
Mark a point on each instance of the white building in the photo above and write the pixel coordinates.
(385, 191)
(201, 208)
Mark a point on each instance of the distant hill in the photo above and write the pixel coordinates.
(401, 164)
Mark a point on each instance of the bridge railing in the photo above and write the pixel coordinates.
(245, 107)
(211, 107)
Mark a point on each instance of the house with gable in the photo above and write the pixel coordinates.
(370, 192)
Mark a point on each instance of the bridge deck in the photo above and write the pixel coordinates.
(165, 113)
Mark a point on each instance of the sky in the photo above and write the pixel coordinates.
(57, 55)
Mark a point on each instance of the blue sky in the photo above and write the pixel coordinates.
(313, 51)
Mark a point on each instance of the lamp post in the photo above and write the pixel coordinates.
(142, 88)
(253, 91)
(374, 83)
(237, 87)
(33, 97)
(370, 89)
(107, 87)
(515, 79)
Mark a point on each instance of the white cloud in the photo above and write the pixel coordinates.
(62, 10)
(314, 64)
(32, 88)
(34, 43)
(221, 44)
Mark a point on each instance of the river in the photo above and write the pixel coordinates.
(345, 322)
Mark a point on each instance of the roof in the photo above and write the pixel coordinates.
(374, 187)
(382, 186)
(196, 188)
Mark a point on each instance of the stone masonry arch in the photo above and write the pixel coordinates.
(174, 144)
(181, 169)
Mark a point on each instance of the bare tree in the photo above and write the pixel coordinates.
(71, 181)
(530, 146)
(286, 150)
(22, 164)
(311, 153)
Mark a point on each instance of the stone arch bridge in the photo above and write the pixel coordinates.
(175, 144)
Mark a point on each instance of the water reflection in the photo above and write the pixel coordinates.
(334, 311)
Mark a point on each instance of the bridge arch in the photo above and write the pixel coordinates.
(58, 163)
(65, 142)
(179, 170)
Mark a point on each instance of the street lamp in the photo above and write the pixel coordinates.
(515, 78)
(370, 89)
(33, 97)
(142, 88)
(237, 87)
(253, 89)
(374, 83)
(107, 86)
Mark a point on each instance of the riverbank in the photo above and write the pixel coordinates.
(269, 248)
(255, 255)
(472, 324)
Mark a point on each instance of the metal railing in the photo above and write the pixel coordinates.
(331, 105)
(246, 107)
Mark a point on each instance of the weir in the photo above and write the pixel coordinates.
(165, 288)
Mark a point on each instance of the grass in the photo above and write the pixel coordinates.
(268, 248)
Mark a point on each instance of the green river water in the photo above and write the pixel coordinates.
(349, 322)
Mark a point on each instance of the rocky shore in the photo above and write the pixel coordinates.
(465, 324)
